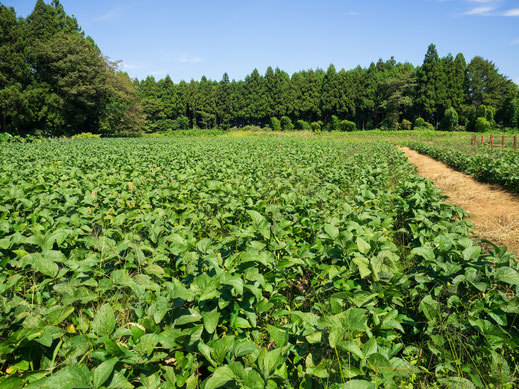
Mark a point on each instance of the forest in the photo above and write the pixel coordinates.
(55, 81)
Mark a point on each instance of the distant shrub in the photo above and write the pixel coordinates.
(486, 112)
(406, 125)
(181, 123)
(347, 125)
(85, 135)
(252, 128)
(419, 122)
(286, 124)
(316, 126)
(482, 125)
(303, 125)
(5, 137)
(334, 125)
(275, 124)
(450, 120)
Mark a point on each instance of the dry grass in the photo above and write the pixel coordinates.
(494, 212)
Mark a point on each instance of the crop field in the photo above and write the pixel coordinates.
(243, 261)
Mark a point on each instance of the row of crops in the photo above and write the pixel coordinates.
(487, 165)
(243, 262)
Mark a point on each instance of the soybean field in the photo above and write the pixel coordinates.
(243, 262)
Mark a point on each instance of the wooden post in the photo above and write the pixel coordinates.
(492, 141)
(503, 142)
(482, 140)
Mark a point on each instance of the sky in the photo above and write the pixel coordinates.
(190, 39)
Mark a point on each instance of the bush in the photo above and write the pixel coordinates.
(181, 123)
(482, 125)
(85, 135)
(275, 124)
(334, 125)
(252, 128)
(5, 137)
(406, 125)
(347, 125)
(419, 122)
(303, 125)
(286, 124)
(450, 120)
(486, 112)
(316, 126)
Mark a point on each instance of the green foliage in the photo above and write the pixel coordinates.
(406, 125)
(181, 123)
(482, 125)
(484, 164)
(85, 135)
(286, 124)
(421, 124)
(242, 261)
(303, 125)
(316, 126)
(334, 125)
(346, 125)
(450, 120)
(275, 124)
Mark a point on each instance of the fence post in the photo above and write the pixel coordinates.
(503, 142)
(482, 140)
(492, 141)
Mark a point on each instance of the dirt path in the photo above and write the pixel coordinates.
(494, 212)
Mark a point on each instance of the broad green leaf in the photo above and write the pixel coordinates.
(221, 376)
(104, 321)
(364, 247)
(103, 371)
(279, 335)
(211, 320)
(508, 275)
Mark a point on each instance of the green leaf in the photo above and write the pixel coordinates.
(425, 252)
(355, 384)
(243, 348)
(457, 383)
(73, 376)
(364, 247)
(471, 253)
(56, 315)
(430, 308)
(279, 335)
(508, 275)
(331, 230)
(363, 266)
(104, 321)
(103, 371)
(211, 320)
(221, 376)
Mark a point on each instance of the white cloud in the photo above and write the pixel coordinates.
(511, 12)
(353, 13)
(483, 11)
(110, 14)
(185, 58)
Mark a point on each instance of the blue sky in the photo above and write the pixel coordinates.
(189, 39)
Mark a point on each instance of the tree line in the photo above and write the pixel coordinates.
(444, 93)
(54, 80)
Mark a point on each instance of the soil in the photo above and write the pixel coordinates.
(494, 212)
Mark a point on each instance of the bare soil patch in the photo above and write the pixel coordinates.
(494, 212)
